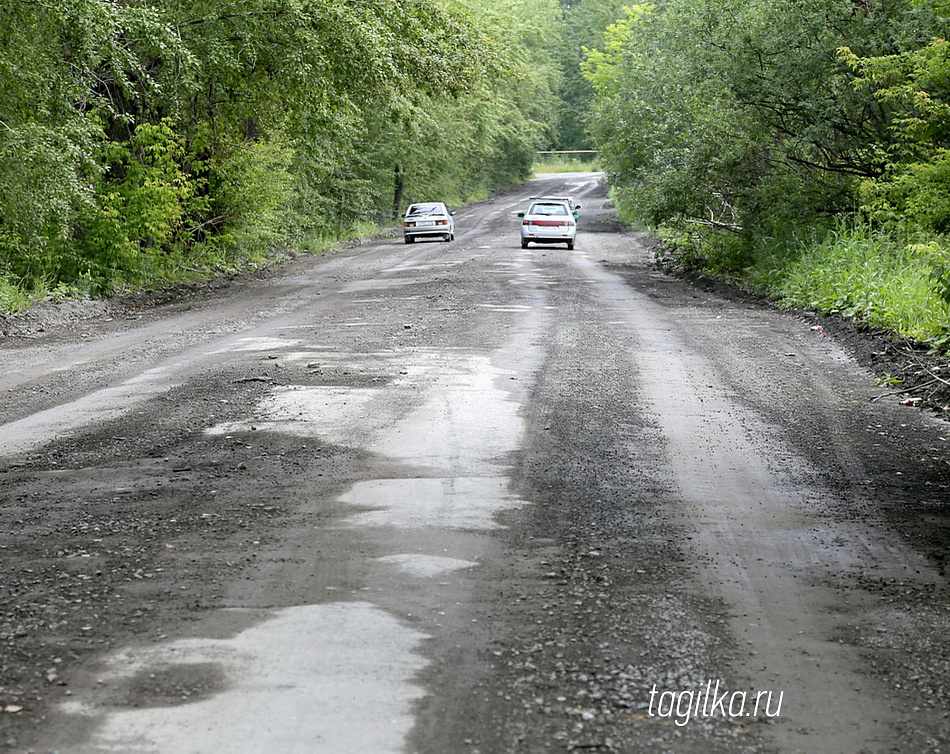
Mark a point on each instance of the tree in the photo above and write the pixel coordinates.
(585, 22)
(145, 139)
(743, 115)
(913, 191)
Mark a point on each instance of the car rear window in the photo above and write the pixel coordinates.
(547, 209)
(424, 209)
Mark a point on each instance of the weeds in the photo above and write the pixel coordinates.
(854, 270)
(868, 275)
(563, 163)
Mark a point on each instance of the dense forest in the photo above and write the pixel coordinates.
(802, 149)
(143, 141)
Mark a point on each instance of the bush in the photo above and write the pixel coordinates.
(862, 272)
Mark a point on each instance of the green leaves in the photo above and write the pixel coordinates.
(912, 193)
(143, 138)
(804, 147)
(746, 114)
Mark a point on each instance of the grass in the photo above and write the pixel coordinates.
(563, 163)
(866, 274)
(13, 299)
(325, 239)
(856, 271)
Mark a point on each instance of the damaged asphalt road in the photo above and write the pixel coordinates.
(463, 497)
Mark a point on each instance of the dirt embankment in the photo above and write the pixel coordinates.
(905, 368)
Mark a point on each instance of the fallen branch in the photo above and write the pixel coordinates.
(905, 390)
(732, 227)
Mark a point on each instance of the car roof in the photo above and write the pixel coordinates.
(568, 199)
(552, 201)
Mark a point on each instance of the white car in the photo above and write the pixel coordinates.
(548, 221)
(569, 200)
(428, 219)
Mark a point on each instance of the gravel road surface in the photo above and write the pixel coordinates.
(464, 497)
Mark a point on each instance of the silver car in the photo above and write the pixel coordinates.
(428, 220)
(548, 221)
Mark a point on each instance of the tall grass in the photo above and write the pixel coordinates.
(565, 162)
(14, 299)
(857, 271)
(323, 239)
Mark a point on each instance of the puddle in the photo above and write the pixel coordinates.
(444, 412)
(426, 566)
(446, 417)
(256, 344)
(330, 412)
(103, 405)
(328, 678)
(455, 503)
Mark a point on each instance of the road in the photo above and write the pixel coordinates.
(464, 497)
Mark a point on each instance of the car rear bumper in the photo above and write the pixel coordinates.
(437, 230)
(542, 235)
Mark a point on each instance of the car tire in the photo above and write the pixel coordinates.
(409, 239)
(570, 245)
(524, 244)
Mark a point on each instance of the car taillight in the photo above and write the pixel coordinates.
(408, 225)
(441, 222)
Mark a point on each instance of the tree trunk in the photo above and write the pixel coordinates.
(398, 189)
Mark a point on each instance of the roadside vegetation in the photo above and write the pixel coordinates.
(802, 150)
(565, 162)
(146, 141)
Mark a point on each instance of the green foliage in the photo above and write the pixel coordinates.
(249, 196)
(861, 272)
(735, 114)
(915, 194)
(135, 213)
(913, 191)
(889, 381)
(672, 142)
(584, 25)
(568, 162)
(802, 149)
(149, 139)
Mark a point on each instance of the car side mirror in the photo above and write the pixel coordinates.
(577, 206)
(521, 214)
(452, 212)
